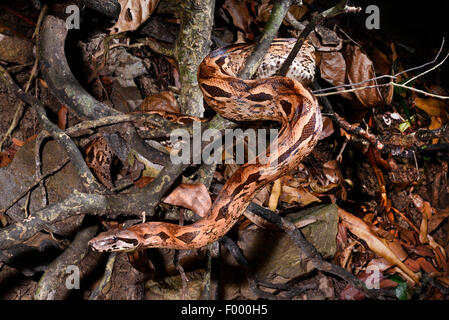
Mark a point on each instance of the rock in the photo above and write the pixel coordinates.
(274, 257)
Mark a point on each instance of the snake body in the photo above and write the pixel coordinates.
(282, 99)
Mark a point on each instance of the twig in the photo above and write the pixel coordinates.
(51, 285)
(309, 253)
(353, 129)
(20, 105)
(280, 9)
(395, 76)
(106, 279)
(37, 156)
(339, 8)
(88, 180)
(34, 184)
(254, 284)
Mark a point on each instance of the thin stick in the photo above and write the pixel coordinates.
(21, 104)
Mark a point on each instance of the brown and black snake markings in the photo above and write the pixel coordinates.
(282, 99)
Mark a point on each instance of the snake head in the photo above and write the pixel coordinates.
(115, 240)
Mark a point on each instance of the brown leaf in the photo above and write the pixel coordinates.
(436, 220)
(17, 142)
(425, 265)
(275, 194)
(164, 101)
(360, 68)
(431, 106)
(241, 18)
(364, 232)
(5, 159)
(191, 196)
(299, 195)
(62, 117)
(133, 13)
(333, 70)
(328, 128)
(99, 158)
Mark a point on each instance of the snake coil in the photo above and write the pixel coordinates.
(282, 99)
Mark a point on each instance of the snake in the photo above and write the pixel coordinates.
(284, 99)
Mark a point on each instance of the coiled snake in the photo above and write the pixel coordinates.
(282, 99)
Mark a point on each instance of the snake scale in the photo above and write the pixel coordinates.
(282, 99)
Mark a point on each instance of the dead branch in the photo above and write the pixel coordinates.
(52, 285)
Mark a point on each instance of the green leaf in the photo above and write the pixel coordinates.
(402, 291)
(400, 90)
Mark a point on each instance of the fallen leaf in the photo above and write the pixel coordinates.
(191, 196)
(241, 16)
(360, 68)
(436, 219)
(62, 117)
(363, 231)
(431, 106)
(5, 159)
(435, 123)
(163, 101)
(132, 14)
(275, 194)
(328, 128)
(333, 70)
(17, 142)
(299, 195)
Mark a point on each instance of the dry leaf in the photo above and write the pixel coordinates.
(62, 117)
(164, 101)
(99, 157)
(299, 195)
(328, 128)
(241, 18)
(431, 106)
(275, 194)
(5, 159)
(132, 14)
(333, 70)
(436, 220)
(191, 196)
(435, 123)
(17, 142)
(364, 232)
(360, 68)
